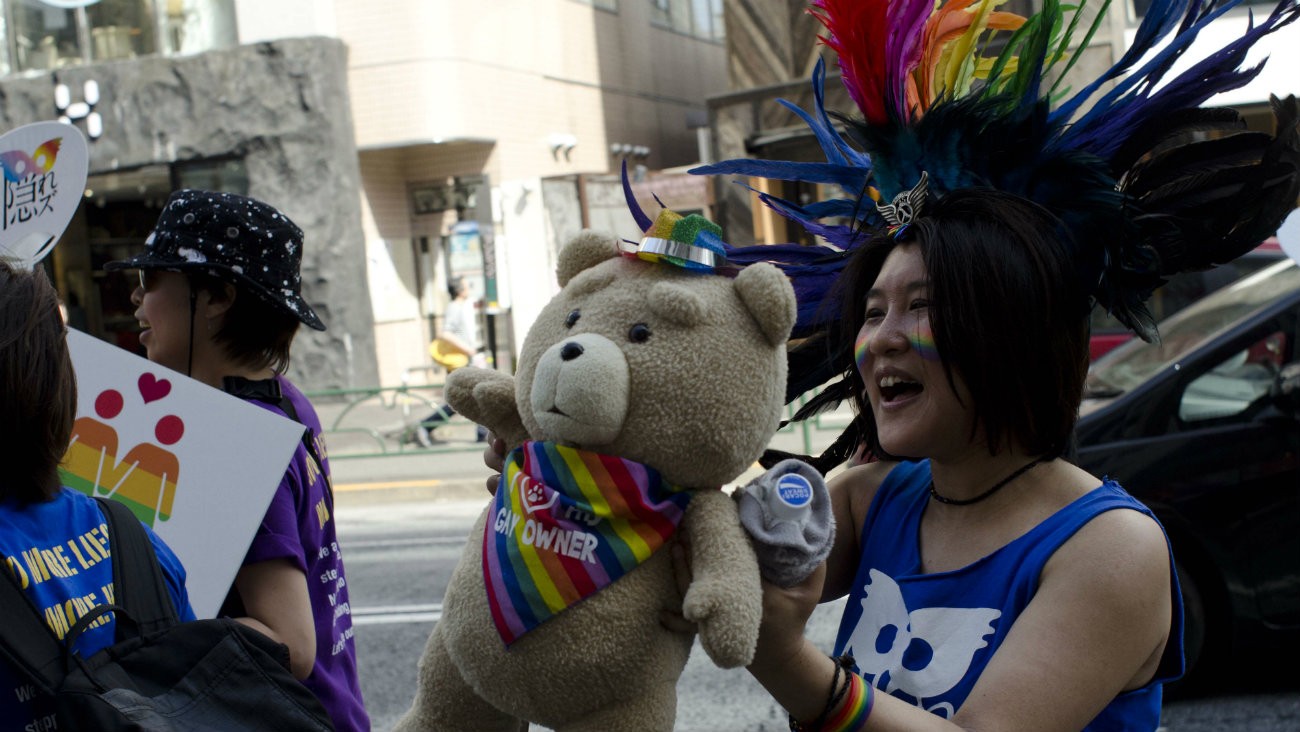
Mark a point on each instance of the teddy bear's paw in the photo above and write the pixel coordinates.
(463, 384)
(729, 645)
(728, 634)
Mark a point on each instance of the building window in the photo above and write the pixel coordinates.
(43, 36)
(212, 174)
(53, 34)
(194, 26)
(699, 18)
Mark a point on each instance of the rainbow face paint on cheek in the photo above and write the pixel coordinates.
(922, 340)
(860, 351)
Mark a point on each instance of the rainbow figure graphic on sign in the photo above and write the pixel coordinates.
(145, 478)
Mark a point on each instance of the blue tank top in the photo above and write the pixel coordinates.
(926, 638)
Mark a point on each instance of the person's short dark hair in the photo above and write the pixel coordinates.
(253, 333)
(456, 286)
(1007, 312)
(38, 389)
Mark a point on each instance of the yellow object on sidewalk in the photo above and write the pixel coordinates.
(447, 354)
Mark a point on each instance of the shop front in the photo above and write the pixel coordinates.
(270, 120)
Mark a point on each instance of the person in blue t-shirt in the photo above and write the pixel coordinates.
(53, 539)
(991, 583)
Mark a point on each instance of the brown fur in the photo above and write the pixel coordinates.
(698, 400)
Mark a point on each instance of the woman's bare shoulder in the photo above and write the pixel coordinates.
(857, 485)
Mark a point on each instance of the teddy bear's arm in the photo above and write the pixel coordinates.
(725, 598)
(488, 398)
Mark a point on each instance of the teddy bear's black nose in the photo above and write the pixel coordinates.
(570, 351)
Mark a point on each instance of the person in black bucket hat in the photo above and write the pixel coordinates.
(220, 299)
(232, 238)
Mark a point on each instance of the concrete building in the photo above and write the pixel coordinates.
(412, 140)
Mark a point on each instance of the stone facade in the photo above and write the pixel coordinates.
(283, 108)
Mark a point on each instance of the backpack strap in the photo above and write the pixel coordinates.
(138, 582)
(25, 640)
(268, 391)
(138, 587)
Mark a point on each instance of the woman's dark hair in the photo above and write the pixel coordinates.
(38, 389)
(1007, 312)
(254, 333)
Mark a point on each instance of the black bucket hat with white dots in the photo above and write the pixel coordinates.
(233, 238)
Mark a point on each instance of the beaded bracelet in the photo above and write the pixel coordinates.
(853, 715)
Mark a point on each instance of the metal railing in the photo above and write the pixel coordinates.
(381, 421)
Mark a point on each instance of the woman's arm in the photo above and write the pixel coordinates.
(1097, 626)
(275, 597)
(795, 672)
(851, 495)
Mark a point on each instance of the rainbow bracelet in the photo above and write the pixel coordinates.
(852, 716)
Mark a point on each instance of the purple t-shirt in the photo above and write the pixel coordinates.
(299, 526)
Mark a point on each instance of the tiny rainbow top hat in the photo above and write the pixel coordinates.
(691, 242)
(233, 238)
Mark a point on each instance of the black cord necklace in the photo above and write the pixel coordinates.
(996, 487)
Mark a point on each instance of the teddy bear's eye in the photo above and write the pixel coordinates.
(639, 333)
(572, 318)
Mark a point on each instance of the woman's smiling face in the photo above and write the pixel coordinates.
(916, 411)
(163, 309)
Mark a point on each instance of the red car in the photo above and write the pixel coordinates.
(1183, 290)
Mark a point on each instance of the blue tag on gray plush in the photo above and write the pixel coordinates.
(787, 512)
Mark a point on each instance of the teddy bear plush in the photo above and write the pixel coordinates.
(641, 390)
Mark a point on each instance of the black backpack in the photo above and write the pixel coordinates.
(160, 674)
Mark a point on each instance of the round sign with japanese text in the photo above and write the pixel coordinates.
(45, 166)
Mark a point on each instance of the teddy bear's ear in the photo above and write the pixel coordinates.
(768, 296)
(584, 251)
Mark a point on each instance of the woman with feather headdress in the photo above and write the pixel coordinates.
(991, 583)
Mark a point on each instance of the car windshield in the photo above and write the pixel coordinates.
(1133, 362)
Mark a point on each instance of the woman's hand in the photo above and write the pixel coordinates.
(785, 615)
(494, 456)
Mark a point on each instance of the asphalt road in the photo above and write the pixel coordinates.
(401, 545)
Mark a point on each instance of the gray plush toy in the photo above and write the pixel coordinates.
(787, 512)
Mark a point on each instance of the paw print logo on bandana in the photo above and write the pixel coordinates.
(536, 498)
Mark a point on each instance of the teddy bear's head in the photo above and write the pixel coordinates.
(682, 371)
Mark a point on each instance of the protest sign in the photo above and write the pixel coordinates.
(195, 464)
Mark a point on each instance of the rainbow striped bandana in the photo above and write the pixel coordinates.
(566, 523)
(692, 242)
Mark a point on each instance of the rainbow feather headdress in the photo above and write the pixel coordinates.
(1142, 201)
(1148, 182)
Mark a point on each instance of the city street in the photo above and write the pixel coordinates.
(401, 543)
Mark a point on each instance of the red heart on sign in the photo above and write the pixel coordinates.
(153, 388)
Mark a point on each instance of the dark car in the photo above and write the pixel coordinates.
(1180, 291)
(1203, 427)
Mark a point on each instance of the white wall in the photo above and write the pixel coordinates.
(267, 20)
(525, 257)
